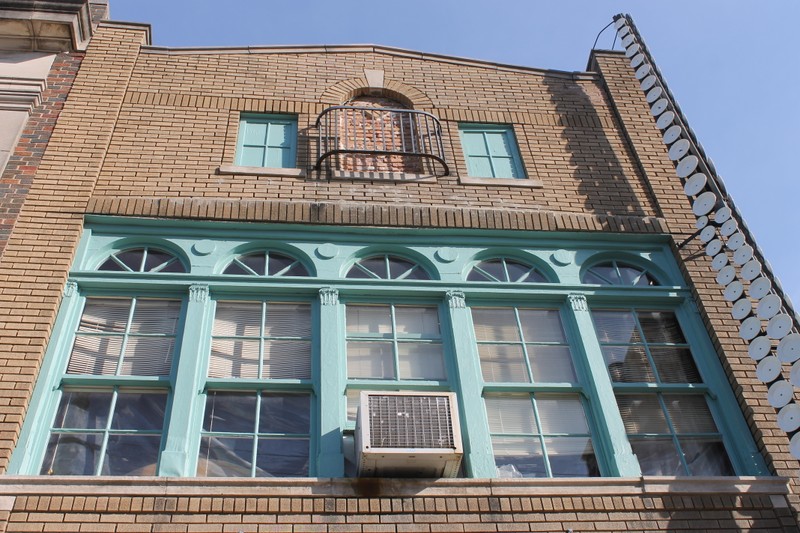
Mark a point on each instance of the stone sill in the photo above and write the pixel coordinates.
(377, 487)
(380, 176)
(504, 182)
(262, 171)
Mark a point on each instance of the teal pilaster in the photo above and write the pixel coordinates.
(619, 458)
(472, 414)
(179, 455)
(330, 459)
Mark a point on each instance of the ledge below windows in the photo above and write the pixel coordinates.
(262, 171)
(504, 182)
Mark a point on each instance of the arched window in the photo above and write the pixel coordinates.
(143, 259)
(504, 269)
(618, 273)
(267, 263)
(387, 266)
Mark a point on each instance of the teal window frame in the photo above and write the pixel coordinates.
(493, 148)
(328, 252)
(256, 133)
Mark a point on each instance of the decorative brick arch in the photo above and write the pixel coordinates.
(342, 91)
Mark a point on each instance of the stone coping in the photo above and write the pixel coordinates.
(378, 487)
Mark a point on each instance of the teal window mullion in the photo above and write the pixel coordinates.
(332, 384)
(523, 344)
(540, 434)
(104, 445)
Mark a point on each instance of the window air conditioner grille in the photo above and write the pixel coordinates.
(410, 422)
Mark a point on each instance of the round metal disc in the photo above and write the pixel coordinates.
(686, 166)
(719, 261)
(794, 374)
(769, 306)
(743, 255)
(637, 60)
(648, 83)
(768, 369)
(780, 393)
(750, 328)
(741, 309)
(759, 348)
(679, 149)
(659, 107)
(760, 288)
(733, 291)
(665, 120)
(654, 94)
(623, 31)
(728, 228)
(726, 275)
(735, 241)
(643, 71)
(708, 233)
(704, 203)
(723, 214)
(779, 326)
(620, 22)
(672, 134)
(632, 50)
(751, 269)
(789, 418)
(701, 222)
(789, 348)
(627, 41)
(714, 247)
(794, 446)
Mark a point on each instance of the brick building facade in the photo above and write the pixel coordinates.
(219, 249)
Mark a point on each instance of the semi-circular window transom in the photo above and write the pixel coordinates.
(387, 266)
(503, 269)
(619, 273)
(267, 263)
(144, 259)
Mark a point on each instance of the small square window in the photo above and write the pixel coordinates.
(267, 141)
(491, 151)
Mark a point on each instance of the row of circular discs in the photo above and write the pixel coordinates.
(756, 305)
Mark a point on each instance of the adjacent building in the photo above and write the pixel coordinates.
(359, 288)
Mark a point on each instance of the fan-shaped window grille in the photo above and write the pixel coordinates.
(267, 263)
(144, 259)
(504, 269)
(617, 273)
(387, 267)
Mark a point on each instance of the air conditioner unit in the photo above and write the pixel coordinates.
(408, 434)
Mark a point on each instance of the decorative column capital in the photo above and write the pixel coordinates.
(578, 302)
(456, 300)
(198, 293)
(70, 289)
(328, 296)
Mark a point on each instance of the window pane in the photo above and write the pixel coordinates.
(628, 364)
(280, 134)
(657, 457)
(225, 457)
(706, 457)
(518, 272)
(142, 411)
(616, 327)
(253, 156)
(541, 325)
(104, 315)
(132, 258)
(72, 454)
(237, 319)
(282, 457)
(278, 158)
(689, 414)
(642, 414)
(630, 275)
(83, 410)
(97, 356)
(376, 265)
(518, 457)
(510, 414)
(504, 167)
(503, 363)
(256, 262)
(369, 319)
(495, 324)
(675, 365)
(233, 359)
(230, 412)
(285, 413)
(420, 361)
(661, 326)
(131, 455)
(498, 142)
(474, 143)
(287, 360)
(493, 268)
(288, 320)
(157, 261)
(147, 356)
(417, 321)
(255, 132)
(480, 167)
(561, 414)
(370, 360)
(605, 275)
(571, 457)
(551, 364)
(398, 267)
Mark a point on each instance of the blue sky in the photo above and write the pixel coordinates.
(732, 65)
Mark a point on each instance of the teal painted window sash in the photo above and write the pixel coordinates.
(491, 151)
(267, 141)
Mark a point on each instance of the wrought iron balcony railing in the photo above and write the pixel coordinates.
(380, 139)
